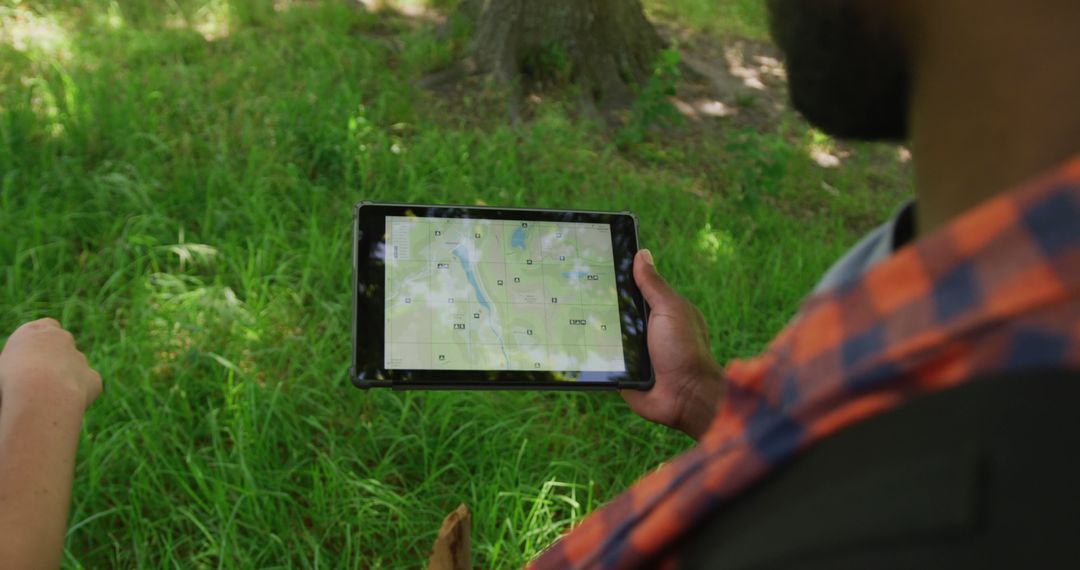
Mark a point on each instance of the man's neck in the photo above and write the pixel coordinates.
(994, 103)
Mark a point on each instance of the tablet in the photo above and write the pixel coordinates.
(459, 297)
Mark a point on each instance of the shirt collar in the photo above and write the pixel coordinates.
(1006, 256)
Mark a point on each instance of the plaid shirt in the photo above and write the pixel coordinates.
(998, 289)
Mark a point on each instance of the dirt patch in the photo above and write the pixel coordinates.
(728, 91)
(740, 81)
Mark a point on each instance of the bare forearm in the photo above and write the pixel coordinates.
(45, 386)
(39, 433)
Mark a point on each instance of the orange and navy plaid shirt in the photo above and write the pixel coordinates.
(996, 290)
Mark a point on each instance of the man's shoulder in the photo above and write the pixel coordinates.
(874, 247)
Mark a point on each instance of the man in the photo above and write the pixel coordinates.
(980, 277)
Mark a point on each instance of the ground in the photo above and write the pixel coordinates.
(176, 182)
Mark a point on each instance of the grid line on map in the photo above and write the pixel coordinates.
(577, 254)
(431, 276)
(543, 286)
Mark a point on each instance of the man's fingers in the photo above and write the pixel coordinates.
(38, 325)
(632, 397)
(47, 322)
(656, 291)
(95, 388)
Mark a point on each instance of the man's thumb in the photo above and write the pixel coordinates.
(652, 285)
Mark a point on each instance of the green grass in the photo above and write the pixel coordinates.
(175, 185)
(728, 18)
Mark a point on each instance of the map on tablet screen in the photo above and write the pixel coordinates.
(479, 294)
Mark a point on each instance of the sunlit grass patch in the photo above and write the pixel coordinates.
(729, 18)
(37, 33)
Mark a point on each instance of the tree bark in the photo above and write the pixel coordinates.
(608, 45)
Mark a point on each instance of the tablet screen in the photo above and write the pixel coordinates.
(477, 297)
(500, 294)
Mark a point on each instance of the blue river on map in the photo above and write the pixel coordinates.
(463, 256)
(575, 274)
(518, 239)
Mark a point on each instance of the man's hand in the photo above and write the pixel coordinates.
(689, 383)
(40, 359)
(45, 386)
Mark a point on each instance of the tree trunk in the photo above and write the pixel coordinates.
(604, 46)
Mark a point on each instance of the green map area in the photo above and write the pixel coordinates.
(471, 294)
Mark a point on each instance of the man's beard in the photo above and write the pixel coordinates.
(849, 74)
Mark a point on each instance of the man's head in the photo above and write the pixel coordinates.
(849, 68)
(983, 91)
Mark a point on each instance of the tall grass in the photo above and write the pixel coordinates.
(175, 186)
